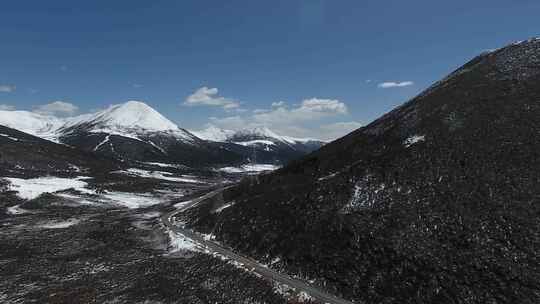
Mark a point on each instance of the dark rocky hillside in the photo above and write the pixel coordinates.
(24, 153)
(156, 147)
(437, 201)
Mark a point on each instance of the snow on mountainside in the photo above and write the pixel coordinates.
(129, 120)
(213, 133)
(32, 123)
(129, 115)
(254, 135)
(260, 145)
(133, 131)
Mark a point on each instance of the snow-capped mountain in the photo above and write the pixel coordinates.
(132, 131)
(39, 125)
(130, 117)
(133, 119)
(213, 133)
(135, 131)
(261, 144)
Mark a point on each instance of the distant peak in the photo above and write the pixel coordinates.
(134, 104)
(133, 115)
(213, 133)
(263, 132)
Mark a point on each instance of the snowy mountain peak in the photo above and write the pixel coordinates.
(264, 132)
(133, 115)
(32, 123)
(213, 133)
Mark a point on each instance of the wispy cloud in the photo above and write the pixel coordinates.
(392, 84)
(278, 104)
(294, 121)
(57, 108)
(4, 107)
(137, 85)
(206, 96)
(6, 88)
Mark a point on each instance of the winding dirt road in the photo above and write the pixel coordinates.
(248, 263)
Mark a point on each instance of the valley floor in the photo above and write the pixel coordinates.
(77, 247)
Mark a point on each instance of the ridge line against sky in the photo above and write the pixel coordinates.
(303, 68)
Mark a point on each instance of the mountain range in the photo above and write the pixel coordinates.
(261, 144)
(436, 201)
(135, 132)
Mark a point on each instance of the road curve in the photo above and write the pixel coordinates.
(253, 265)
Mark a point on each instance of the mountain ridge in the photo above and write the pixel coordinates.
(134, 131)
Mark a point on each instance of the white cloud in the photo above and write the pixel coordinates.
(209, 97)
(331, 106)
(6, 88)
(309, 109)
(278, 104)
(297, 121)
(259, 111)
(137, 85)
(4, 107)
(57, 108)
(339, 129)
(392, 84)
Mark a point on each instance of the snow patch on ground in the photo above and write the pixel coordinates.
(60, 225)
(413, 140)
(12, 138)
(329, 176)
(249, 168)
(291, 294)
(162, 165)
(218, 210)
(159, 175)
(150, 215)
(78, 199)
(106, 140)
(179, 242)
(132, 200)
(181, 204)
(16, 210)
(34, 187)
(255, 142)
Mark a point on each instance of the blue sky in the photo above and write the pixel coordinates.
(325, 60)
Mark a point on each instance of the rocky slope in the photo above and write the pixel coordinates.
(22, 153)
(435, 202)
